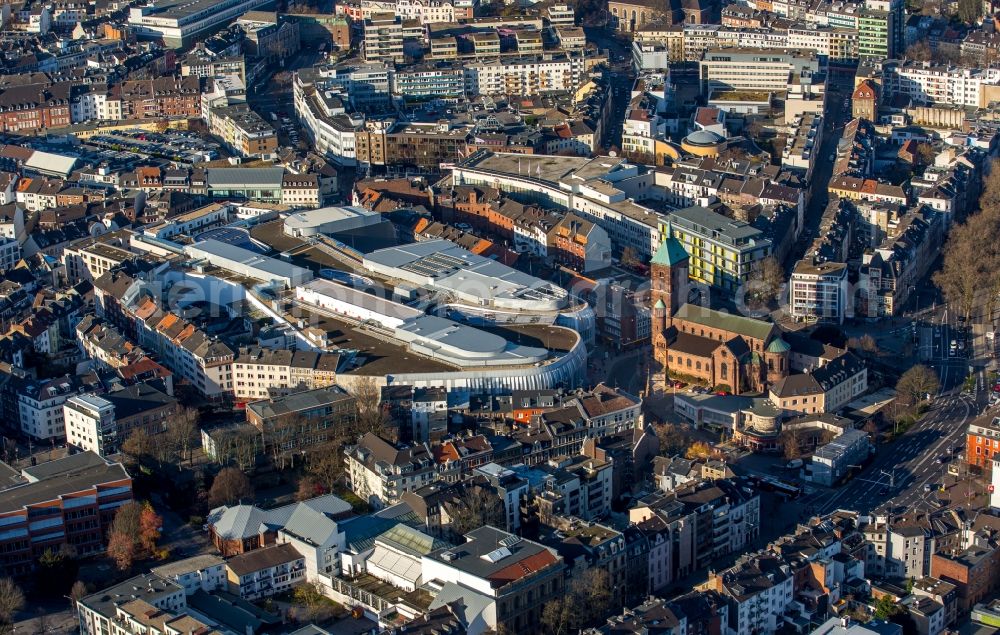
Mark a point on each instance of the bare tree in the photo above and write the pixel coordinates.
(78, 592)
(963, 271)
(475, 507)
(989, 200)
(915, 384)
(41, 620)
(673, 439)
(183, 432)
(920, 51)
(629, 258)
(230, 485)
(326, 465)
(587, 600)
(765, 282)
(239, 446)
(371, 416)
(791, 443)
(865, 344)
(138, 447)
(11, 601)
(128, 519)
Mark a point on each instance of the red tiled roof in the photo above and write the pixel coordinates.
(525, 567)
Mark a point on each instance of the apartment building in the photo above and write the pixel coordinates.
(722, 251)
(426, 11)
(597, 189)
(269, 37)
(826, 389)
(324, 117)
(758, 589)
(560, 15)
(99, 613)
(161, 98)
(579, 244)
(382, 39)
(265, 572)
(259, 373)
(67, 501)
(576, 486)
(243, 131)
(186, 350)
(973, 569)
(903, 545)
(429, 80)
(819, 291)
(982, 441)
(304, 420)
(40, 406)
(379, 473)
(754, 69)
(89, 259)
(933, 83)
(524, 75)
(34, 106)
(102, 423)
(511, 576)
(301, 191)
(402, 143)
(205, 572)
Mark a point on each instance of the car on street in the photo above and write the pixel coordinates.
(942, 460)
(928, 487)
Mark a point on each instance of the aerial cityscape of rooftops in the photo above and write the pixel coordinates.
(500, 317)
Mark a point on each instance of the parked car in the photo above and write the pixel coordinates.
(794, 464)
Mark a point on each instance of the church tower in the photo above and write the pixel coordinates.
(668, 272)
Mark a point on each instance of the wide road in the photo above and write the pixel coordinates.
(901, 469)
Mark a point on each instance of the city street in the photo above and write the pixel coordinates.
(902, 468)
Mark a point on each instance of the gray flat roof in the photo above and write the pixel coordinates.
(69, 463)
(187, 565)
(239, 177)
(490, 551)
(217, 252)
(149, 587)
(705, 221)
(456, 269)
(52, 488)
(299, 401)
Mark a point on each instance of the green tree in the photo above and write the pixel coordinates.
(886, 607)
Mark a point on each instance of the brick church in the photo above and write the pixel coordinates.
(717, 348)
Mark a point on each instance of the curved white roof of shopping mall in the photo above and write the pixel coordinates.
(329, 220)
(469, 278)
(429, 335)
